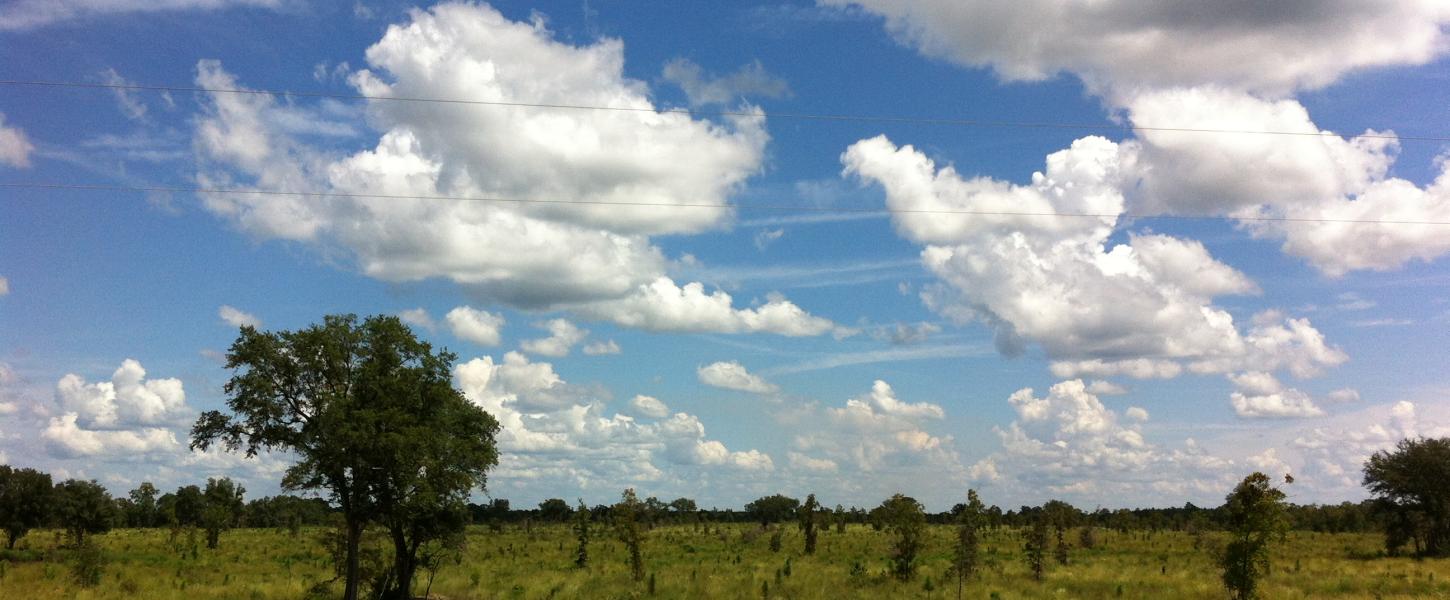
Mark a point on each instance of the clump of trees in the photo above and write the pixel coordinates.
(25, 501)
(772, 509)
(809, 515)
(1411, 486)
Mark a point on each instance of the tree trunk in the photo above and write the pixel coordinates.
(350, 572)
(404, 564)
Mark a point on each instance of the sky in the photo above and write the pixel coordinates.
(1117, 253)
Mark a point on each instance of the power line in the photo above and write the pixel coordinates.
(770, 207)
(707, 113)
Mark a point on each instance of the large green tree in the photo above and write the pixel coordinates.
(25, 501)
(1413, 484)
(772, 509)
(374, 420)
(143, 511)
(83, 508)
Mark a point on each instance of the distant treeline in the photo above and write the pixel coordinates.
(1346, 517)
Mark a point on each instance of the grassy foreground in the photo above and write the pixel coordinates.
(729, 561)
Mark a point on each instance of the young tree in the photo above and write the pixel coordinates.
(187, 506)
(25, 501)
(905, 518)
(840, 519)
(1412, 483)
(143, 506)
(221, 508)
(1035, 549)
(808, 516)
(581, 532)
(82, 508)
(373, 418)
(964, 553)
(1062, 516)
(626, 524)
(1254, 516)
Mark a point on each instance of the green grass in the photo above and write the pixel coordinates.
(687, 563)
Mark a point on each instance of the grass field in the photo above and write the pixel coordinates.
(730, 561)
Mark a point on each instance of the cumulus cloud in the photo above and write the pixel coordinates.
(478, 326)
(563, 336)
(1102, 387)
(236, 317)
(663, 305)
(31, 14)
(1117, 46)
(129, 414)
(731, 375)
(418, 317)
(751, 80)
(558, 432)
(599, 348)
(901, 334)
(1143, 308)
(1068, 443)
(649, 406)
(872, 432)
(128, 399)
(1261, 395)
(15, 146)
(532, 255)
(1343, 395)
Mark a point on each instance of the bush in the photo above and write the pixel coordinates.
(88, 564)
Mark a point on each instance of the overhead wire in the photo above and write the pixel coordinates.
(706, 113)
(704, 205)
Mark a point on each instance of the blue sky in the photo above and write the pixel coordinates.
(845, 350)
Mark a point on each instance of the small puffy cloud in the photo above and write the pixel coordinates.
(1103, 387)
(128, 399)
(1343, 396)
(807, 463)
(478, 326)
(4, 286)
(751, 80)
(875, 432)
(1261, 395)
(15, 147)
(731, 375)
(765, 237)
(882, 400)
(1136, 413)
(237, 317)
(563, 336)
(418, 317)
(599, 348)
(901, 334)
(649, 406)
(665, 306)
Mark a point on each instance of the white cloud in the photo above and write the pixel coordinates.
(563, 335)
(1141, 308)
(126, 99)
(1136, 413)
(418, 317)
(732, 375)
(31, 14)
(15, 146)
(65, 438)
(1261, 395)
(1343, 396)
(649, 406)
(1068, 444)
(808, 463)
(1102, 387)
(478, 326)
(765, 237)
(598, 348)
(703, 90)
(236, 317)
(875, 432)
(531, 255)
(128, 399)
(4, 286)
(1121, 45)
(664, 306)
(905, 333)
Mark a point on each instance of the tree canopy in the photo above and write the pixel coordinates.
(25, 501)
(372, 415)
(1412, 484)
